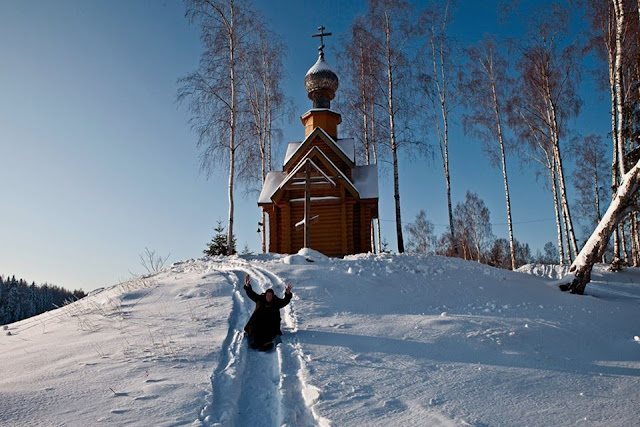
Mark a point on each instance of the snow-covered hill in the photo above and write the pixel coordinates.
(389, 340)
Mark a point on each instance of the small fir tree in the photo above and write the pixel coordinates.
(218, 244)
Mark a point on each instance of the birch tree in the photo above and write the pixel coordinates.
(486, 86)
(436, 85)
(620, 50)
(266, 101)
(618, 9)
(623, 203)
(213, 92)
(363, 93)
(603, 23)
(422, 239)
(588, 179)
(473, 220)
(537, 150)
(392, 30)
(546, 99)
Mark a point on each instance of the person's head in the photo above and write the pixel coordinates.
(268, 295)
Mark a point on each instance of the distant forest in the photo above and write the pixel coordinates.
(19, 300)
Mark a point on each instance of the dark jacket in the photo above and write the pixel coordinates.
(264, 324)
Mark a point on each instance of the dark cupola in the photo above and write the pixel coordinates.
(321, 83)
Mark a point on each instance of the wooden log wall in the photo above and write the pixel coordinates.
(327, 232)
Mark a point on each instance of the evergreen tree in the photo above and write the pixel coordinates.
(218, 244)
(19, 300)
(13, 303)
(500, 253)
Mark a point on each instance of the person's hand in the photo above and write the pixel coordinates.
(247, 281)
(287, 290)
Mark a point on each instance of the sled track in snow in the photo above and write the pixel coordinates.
(256, 388)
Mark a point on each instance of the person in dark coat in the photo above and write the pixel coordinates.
(264, 324)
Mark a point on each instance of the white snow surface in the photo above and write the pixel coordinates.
(271, 183)
(320, 66)
(346, 145)
(369, 340)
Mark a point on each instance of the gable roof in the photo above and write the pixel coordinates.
(347, 145)
(344, 148)
(276, 181)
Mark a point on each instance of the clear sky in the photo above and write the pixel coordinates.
(98, 161)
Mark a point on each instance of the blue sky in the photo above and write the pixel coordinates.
(98, 161)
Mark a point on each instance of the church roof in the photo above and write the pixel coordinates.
(315, 151)
(365, 179)
(321, 83)
(346, 146)
(271, 183)
(321, 66)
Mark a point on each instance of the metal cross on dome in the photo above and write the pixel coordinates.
(321, 34)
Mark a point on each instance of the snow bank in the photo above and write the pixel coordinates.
(550, 271)
(305, 256)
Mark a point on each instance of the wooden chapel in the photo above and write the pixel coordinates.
(321, 199)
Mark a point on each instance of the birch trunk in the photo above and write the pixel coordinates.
(597, 196)
(447, 178)
(636, 239)
(633, 229)
(364, 100)
(611, 56)
(394, 146)
(597, 242)
(614, 189)
(374, 150)
(447, 174)
(564, 203)
(444, 137)
(232, 130)
(554, 191)
(264, 125)
(565, 224)
(514, 264)
(618, 6)
(623, 243)
(566, 211)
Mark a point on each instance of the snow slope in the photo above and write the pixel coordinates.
(393, 340)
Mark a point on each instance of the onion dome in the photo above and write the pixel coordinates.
(321, 83)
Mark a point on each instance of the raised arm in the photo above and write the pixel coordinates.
(247, 288)
(287, 296)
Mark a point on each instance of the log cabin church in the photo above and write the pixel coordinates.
(321, 199)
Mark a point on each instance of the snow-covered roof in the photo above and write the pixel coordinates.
(346, 145)
(320, 66)
(365, 179)
(291, 150)
(318, 110)
(276, 179)
(271, 184)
